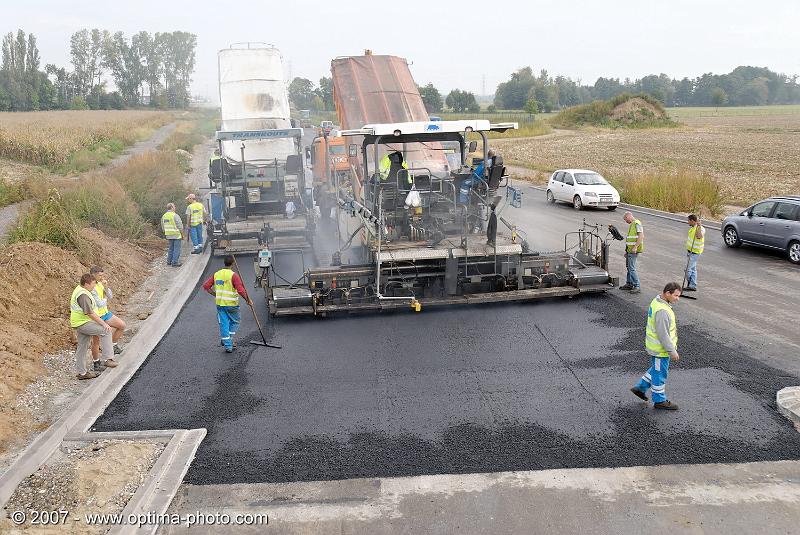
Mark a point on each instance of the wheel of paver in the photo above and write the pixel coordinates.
(794, 252)
(731, 237)
(577, 203)
(550, 197)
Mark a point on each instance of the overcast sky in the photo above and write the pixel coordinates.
(452, 44)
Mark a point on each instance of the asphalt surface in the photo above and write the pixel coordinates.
(482, 389)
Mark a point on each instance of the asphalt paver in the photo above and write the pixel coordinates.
(462, 390)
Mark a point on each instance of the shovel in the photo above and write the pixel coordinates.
(263, 341)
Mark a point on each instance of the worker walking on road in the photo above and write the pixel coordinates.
(102, 293)
(226, 287)
(661, 343)
(87, 323)
(695, 243)
(196, 216)
(173, 230)
(634, 245)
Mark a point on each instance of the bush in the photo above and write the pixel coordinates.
(602, 113)
(12, 192)
(48, 221)
(675, 191)
(102, 203)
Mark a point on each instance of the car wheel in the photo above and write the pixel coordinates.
(550, 197)
(577, 203)
(732, 237)
(794, 252)
(612, 208)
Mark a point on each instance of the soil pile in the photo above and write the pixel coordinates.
(36, 281)
(625, 110)
(637, 110)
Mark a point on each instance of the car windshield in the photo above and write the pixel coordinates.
(336, 149)
(590, 179)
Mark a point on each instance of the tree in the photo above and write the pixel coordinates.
(431, 98)
(301, 93)
(531, 106)
(719, 97)
(325, 92)
(460, 101)
(491, 108)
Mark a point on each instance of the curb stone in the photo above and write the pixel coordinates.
(788, 400)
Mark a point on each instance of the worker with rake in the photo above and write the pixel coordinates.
(226, 287)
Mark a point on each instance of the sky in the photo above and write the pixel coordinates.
(462, 44)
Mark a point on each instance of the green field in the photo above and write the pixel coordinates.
(733, 111)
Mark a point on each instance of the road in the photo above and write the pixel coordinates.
(484, 389)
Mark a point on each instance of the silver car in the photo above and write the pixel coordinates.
(773, 223)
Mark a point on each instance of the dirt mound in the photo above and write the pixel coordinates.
(637, 110)
(36, 281)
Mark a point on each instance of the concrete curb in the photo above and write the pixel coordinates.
(788, 400)
(93, 402)
(713, 225)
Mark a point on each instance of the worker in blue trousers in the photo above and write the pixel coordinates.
(661, 343)
(226, 287)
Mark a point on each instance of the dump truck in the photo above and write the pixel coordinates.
(259, 188)
(426, 244)
(331, 169)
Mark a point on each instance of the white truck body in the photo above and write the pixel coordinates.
(253, 96)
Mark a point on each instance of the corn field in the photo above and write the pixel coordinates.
(49, 138)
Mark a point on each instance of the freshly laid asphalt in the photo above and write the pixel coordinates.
(481, 389)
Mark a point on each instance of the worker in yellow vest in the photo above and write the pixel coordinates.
(87, 323)
(634, 246)
(695, 243)
(661, 343)
(102, 294)
(196, 216)
(172, 226)
(226, 287)
(390, 165)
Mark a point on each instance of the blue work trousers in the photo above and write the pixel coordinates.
(691, 270)
(655, 378)
(630, 265)
(174, 252)
(229, 319)
(196, 234)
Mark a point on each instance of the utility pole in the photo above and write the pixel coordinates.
(483, 85)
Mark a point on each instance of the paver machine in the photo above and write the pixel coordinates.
(427, 243)
(258, 196)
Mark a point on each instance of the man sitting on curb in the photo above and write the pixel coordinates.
(87, 324)
(102, 293)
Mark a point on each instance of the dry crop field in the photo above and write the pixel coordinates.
(50, 138)
(752, 152)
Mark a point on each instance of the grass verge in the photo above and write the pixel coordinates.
(13, 192)
(672, 191)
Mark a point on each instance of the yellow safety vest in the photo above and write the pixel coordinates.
(77, 316)
(224, 291)
(100, 299)
(196, 210)
(386, 165)
(630, 240)
(652, 342)
(695, 244)
(170, 228)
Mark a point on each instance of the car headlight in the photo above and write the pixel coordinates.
(590, 194)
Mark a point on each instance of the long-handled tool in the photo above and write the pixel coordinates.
(263, 341)
(686, 274)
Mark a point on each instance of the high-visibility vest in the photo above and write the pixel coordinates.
(631, 238)
(694, 243)
(386, 165)
(196, 210)
(224, 291)
(652, 343)
(99, 295)
(213, 158)
(170, 227)
(77, 316)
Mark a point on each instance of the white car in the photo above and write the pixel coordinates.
(580, 188)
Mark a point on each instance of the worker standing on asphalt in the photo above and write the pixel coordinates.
(634, 245)
(661, 343)
(196, 216)
(226, 287)
(102, 293)
(695, 243)
(87, 323)
(173, 230)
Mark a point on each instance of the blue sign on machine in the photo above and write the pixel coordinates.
(234, 135)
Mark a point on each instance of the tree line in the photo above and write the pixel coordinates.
(304, 95)
(744, 86)
(146, 69)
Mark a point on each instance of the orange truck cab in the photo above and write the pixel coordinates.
(338, 167)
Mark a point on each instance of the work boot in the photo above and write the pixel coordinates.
(87, 375)
(110, 363)
(223, 343)
(666, 406)
(639, 394)
(626, 287)
(636, 290)
(98, 366)
(177, 264)
(228, 350)
(689, 289)
(195, 251)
